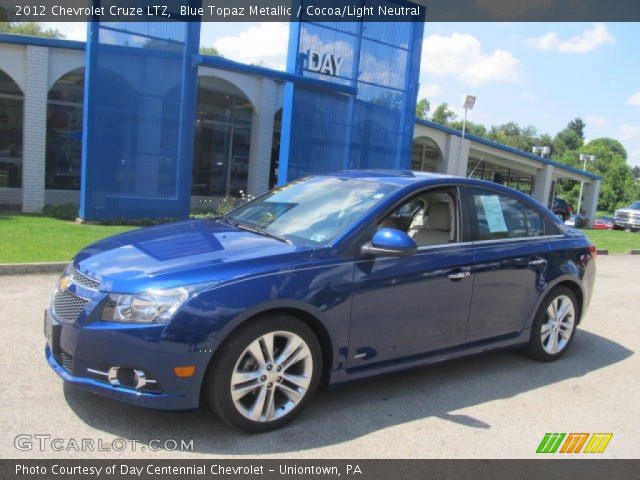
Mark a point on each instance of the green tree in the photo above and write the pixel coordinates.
(472, 128)
(29, 28)
(443, 115)
(612, 144)
(577, 125)
(213, 51)
(422, 108)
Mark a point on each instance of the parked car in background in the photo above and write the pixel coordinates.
(326, 280)
(561, 208)
(628, 218)
(604, 223)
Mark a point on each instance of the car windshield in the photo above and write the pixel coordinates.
(635, 206)
(312, 210)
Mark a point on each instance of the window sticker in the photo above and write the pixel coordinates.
(494, 214)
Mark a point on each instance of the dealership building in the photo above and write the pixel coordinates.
(238, 122)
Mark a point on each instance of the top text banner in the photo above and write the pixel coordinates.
(320, 10)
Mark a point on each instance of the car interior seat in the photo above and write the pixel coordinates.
(436, 226)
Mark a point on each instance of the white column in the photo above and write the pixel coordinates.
(590, 202)
(457, 157)
(262, 139)
(35, 128)
(542, 188)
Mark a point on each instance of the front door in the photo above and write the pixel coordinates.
(410, 306)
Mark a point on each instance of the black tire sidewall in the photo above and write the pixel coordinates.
(218, 391)
(535, 348)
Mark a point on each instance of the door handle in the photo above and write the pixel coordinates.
(537, 261)
(458, 275)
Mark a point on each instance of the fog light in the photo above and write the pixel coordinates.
(127, 377)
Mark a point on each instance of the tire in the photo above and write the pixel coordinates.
(564, 330)
(243, 365)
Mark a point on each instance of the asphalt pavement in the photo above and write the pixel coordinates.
(498, 405)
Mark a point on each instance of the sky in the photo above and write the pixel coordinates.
(540, 74)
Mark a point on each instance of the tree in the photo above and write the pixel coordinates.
(612, 144)
(577, 125)
(566, 139)
(213, 51)
(443, 115)
(422, 108)
(32, 29)
(472, 128)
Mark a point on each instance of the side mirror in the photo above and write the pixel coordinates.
(390, 242)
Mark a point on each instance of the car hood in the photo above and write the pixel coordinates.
(184, 253)
(628, 210)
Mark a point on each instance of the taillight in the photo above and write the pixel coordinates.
(593, 251)
(570, 210)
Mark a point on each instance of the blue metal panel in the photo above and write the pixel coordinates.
(332, 130)
(140, 95)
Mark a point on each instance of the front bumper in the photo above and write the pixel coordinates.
(73, 351)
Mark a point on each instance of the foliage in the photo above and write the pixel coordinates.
(65, 211)
(32, 29)
(443, 115)
(422, 109)
(213, 51)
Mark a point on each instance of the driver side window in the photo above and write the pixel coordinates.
(430, 218)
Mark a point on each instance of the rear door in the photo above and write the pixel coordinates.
(511, 255)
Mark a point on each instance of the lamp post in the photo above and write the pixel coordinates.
(583, 158)
(468, 101)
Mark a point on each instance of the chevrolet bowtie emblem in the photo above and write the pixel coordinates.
(64, 283)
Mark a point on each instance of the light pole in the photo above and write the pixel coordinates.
(583, 158)
(468, 101)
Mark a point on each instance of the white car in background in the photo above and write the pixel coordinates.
(628, 218)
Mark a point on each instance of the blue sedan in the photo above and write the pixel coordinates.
(325, 280)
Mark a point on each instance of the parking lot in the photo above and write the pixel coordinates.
(498, 405)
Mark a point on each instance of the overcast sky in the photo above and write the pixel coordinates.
(540, 74)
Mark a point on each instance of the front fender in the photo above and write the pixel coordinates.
(322, 290)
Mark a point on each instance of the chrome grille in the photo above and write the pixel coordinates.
(82, 279)
(64, 359)
(67, 307)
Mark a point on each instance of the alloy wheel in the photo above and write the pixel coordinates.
(271, 376)
(557, 330)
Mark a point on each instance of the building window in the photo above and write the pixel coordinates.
(483, 170)
(223, 138)
(64, 132)
(426, 155)
(11, 125)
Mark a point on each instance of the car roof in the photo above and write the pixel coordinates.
(392, 177)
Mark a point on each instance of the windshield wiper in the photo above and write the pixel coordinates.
(250, 228)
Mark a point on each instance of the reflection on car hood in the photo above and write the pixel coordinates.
(182, 253)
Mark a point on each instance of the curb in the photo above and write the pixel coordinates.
(31, 268)
(634, 252)
(602, 252)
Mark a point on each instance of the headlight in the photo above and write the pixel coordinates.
(153, 306)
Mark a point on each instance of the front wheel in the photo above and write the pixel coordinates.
(554, 326)
(265, 373)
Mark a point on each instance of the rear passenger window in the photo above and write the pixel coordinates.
(498, 216)
(535, 223)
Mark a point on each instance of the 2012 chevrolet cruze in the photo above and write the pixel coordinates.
(327, 279)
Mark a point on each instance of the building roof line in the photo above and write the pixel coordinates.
(506, 148)
(41, 41)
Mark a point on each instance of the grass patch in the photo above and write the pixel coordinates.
(616, 241)
(32, 238)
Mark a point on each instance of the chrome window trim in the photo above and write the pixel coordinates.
(488, 242)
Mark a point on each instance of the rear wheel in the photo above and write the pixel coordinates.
(265, 374)
(554, 327)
